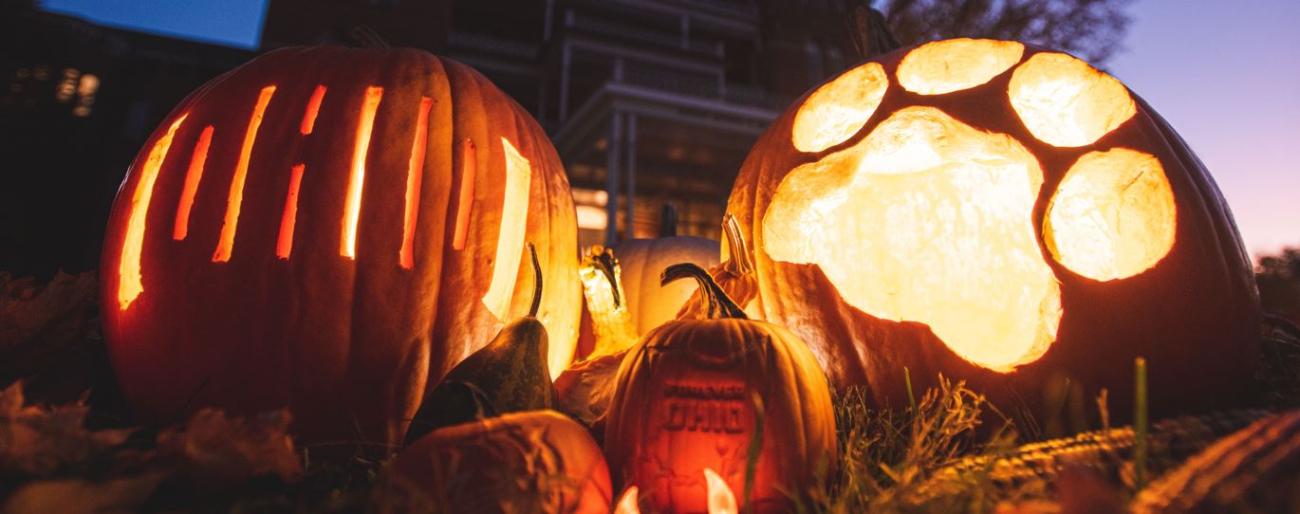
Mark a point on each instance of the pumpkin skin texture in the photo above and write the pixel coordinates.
(643, 260)
(348, 342)
(534, 461)
(1183, 298)
(689, 395)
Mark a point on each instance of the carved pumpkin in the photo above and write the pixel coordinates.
(1002, 214)
(705, 393)
(607, 326)
(535, 461)
(331, 230)
(635, 264)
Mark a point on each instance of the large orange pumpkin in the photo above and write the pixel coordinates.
(1002, 214)
(331, 230)
(699, 393)
(533, 461)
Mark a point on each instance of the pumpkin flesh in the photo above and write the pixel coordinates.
(1012, 222)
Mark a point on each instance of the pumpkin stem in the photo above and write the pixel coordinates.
(668, 221)
(362, 36)
(870, 32)
(537, 282)
(739, 263)
(607, 264)
(720, 305)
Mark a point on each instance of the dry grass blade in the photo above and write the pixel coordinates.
(887, 455)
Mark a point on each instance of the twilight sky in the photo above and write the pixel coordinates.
(1225, 74)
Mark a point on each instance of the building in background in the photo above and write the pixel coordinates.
(78, 102)
(649, 102)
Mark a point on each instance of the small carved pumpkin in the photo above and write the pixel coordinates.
(331, 230)
(534, 461)
(1000, 214)
(708, 393)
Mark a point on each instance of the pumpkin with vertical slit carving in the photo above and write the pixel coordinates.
(331, 230)
(1001, 214)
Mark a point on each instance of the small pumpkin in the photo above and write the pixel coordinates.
(712, 393)
(534, 461)
(1000, 214)
(507, 375)
(642, 260)
(331, 230)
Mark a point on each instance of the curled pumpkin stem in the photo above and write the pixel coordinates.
(611, 322)
(739, 263)
(719, 304)
(735, 275)
(605, 262)
(537, 282)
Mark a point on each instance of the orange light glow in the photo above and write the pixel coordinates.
(510, 238)
(465, 193)
(129, 284)
(284, 242)
(414, 175)
(611, 322)
(951, 65)
(839, 108)
(357, 181)
(313, 108)
(1065, 102)
(627, 502)
(721, 499)
(1113, 215)
(226, 244)
(927, 219)
(193, 175)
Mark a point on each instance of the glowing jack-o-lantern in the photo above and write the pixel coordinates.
(718, 393)
(331, 230)
(1001, 214)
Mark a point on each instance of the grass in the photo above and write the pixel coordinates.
(69, 439)
(887, 456)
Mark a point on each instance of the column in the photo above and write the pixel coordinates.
(611, 175)
(630, 166)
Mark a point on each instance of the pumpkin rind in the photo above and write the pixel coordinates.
(535, 461)
(347, 343)
(687, 397)
(1193, 314)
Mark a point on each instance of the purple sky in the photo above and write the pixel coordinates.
(1225, 74)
